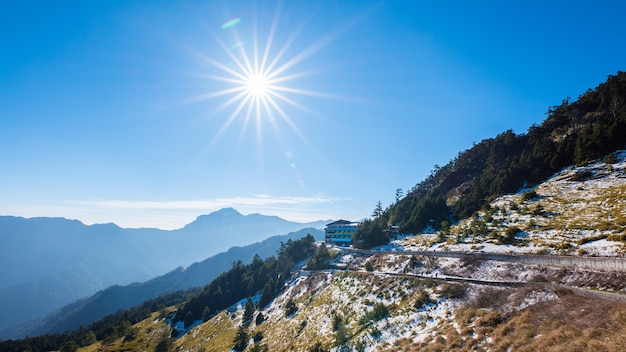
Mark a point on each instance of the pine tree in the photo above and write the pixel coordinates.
(248, 311)
(241, 339)
(378, 210)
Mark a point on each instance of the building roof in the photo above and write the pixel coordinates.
(342, 222)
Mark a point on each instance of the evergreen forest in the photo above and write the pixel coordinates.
(574, 133)
(194, 304)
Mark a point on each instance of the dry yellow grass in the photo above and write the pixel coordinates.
(217, 334)
(150, 332)
(569, 323)
(565, 215)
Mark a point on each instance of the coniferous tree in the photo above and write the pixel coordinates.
(320, 259)
(399, 194)
(241, 339)
(248, 311)
(378, 210)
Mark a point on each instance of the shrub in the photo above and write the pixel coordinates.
(510, 234)
(164, 345)
(318, 347)
(290, 308)
(375, 333)
(258, 336)
(538, 210)
(452, 291)
(423, 299)
(240, 341)
(379, 312)
(582, 175)
(337, 322)
(491, 319)
(341, 336)
(610, 158)
(528, 195)
(260, 318)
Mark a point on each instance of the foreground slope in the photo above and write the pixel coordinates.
(406, 303)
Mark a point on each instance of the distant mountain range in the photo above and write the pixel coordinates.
(51, 262)
(85, 311)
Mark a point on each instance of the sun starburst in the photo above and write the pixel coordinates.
(260, 78)
(257, 85)
(259, 82)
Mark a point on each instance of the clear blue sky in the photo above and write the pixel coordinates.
(111, 110)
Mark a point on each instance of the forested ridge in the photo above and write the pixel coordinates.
(573, 133)
(227, 289)
(243, 281)
(109, 328)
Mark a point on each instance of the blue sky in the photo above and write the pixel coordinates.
(120, 111)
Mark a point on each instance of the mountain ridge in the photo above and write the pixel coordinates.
(116, 297)
(55, 252)
(574, 133)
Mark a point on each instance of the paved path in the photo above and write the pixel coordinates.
(602, 263)
(586, 262)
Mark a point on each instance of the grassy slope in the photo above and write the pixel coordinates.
(573, 213)
(424, 314)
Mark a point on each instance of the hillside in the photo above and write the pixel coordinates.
(578, 211)
(61, 260)
(85, 311)
(574, 133)
(398, 302)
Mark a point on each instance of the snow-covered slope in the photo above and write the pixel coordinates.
(579, 211)
(337, 310)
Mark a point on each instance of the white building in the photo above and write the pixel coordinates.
(340, 232)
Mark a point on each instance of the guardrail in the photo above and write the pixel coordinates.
(614, 296)
(603, 263)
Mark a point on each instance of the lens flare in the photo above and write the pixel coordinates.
(231, 23)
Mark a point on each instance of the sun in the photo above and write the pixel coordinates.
(257, 85)
(262, 82)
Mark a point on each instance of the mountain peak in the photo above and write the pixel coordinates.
(226, 212)
(219, 214)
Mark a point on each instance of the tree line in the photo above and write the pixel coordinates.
(109, 328)
(239, 282)
(267, 276)
(574, 133)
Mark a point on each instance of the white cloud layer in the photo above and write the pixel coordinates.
(174, 214)
(217, 203)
